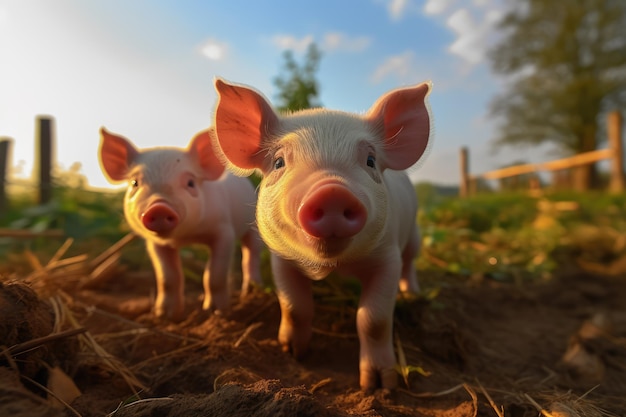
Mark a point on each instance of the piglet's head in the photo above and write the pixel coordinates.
(323, 198)
(164, 183)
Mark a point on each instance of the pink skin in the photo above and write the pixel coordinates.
(160, 218)
(333, 198)
(178, 197)
(332, 211)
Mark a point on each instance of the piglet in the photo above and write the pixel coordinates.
(334, 197)
(177, 197)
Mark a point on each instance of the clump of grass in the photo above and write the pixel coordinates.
(516, 237)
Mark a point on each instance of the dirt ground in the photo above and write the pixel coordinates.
(471, 347)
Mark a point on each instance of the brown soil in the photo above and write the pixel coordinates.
(472, 347)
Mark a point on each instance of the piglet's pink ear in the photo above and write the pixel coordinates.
(403, 116)
(202, 146)
(243, 119)
(116, 155)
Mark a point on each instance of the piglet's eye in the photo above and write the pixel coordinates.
(190, 183)
(134, 183)
(279, 163)
(371, 161)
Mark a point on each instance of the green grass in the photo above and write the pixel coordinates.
(513, 236)
(94, 220)
(507, 236)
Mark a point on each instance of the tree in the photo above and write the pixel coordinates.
(567, 66)
(298, 89)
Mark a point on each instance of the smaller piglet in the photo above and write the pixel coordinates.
(334, 197)
(177, 197)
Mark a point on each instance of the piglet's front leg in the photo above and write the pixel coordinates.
(251, 247)
(170, 284)
(374, 326)
(408, 280)
(215, 279)
(295, 295)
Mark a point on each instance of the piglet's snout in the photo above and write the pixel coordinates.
(332, 211)
(160, 218)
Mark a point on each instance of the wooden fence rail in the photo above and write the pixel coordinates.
(614, 153)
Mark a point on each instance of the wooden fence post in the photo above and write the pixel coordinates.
(614, 131)
(44, 144)
(4, 165)
(464, 189)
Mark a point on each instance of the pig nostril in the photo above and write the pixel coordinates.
(349, 214)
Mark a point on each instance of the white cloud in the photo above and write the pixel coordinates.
(472, 21)
(410, 68)
(399, 66)
(213, 49)
(336, 41)
(467, 44)
(433, 7)
(397, 8)
(292, 43)
(473, 38)
(330, 42)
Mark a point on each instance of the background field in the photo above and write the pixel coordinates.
(521, 311)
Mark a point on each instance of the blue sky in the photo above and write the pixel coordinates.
(145, 68)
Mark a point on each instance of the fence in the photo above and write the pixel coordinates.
(614, 153)
(44, 147)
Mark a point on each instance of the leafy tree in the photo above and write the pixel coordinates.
(567, 66)
(298, 88)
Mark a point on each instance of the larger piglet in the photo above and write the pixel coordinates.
(334, 197)
(177, 197)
